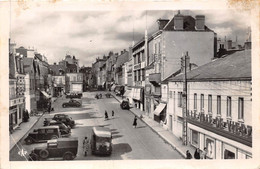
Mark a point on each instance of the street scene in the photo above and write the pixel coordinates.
(113, 85)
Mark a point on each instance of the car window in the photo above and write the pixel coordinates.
(41, 131)
(50, 131)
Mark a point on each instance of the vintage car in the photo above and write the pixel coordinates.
(64, 129)
(101, 141)
(66, 148)
(72, 103)
(64, 118)
(125, 104)
(43, 134)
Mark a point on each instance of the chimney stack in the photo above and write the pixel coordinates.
(162, 23)
(178, 21)
(200, 22)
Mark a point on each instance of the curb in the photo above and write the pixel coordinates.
(172, 145)
(27, 131)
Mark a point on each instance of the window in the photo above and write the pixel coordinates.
(135, 75)
(143, 57)
(179, 99)
(134, 59)
(210, 103)
(228, 106)
(195, 101)
(139, 75)
(143, 74)
(194, 138)
(240, 108)
(139, 59)
(219, 105)
(202, 102)
(155, 48)
(50, 130)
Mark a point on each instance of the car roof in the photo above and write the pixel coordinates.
(48, 127)
(102, 131)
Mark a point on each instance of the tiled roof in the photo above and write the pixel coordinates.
(236, 66)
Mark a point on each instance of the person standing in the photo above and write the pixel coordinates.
(113, 113)
(204, 153)
(106, 115)
(197, 153)
(135, 122)
(188, 155)
(85, 146)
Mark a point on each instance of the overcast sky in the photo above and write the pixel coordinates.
(89, 34)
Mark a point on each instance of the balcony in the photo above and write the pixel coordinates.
(155, 78)
(230, 129)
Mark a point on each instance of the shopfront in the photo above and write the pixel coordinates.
(138, 98)
(160, 113)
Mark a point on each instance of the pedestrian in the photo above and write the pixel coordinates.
(113, 113)
(85, 146)
(197, 153)
(106, 115)
(204, 153)
(135, 122)
(188, 155)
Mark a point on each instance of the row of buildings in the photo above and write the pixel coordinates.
(192, 83)
(33, 82)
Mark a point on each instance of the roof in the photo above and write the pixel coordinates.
(236, 66)
(102, 131)
(188, 25)
(48, 127)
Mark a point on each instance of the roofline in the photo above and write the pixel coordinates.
(214, 79)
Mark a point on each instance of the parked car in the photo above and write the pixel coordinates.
(66, 148)
(64, 130)
(71, 103)
(64, 118)
(108, 95)
(101, 141)
(125, 104)
(43, 134)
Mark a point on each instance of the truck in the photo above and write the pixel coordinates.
(76, 90)
(66, 148)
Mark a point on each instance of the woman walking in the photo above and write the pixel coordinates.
(113, 113)
(135, 122)
(197, 153)
(106, 115)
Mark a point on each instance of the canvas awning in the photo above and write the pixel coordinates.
(46, 94)
(136, 93)
(159, 109)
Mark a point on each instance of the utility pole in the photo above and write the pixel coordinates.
(184, 98)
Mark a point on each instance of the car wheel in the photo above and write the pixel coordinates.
(54, 137)
(44, 154)
(68, 156)
(124, 105)
(64, 105)
(34, 157)
(29, 141)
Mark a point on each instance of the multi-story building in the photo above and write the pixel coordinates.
(219, 98)
(16, 87)
(121, 59)
(74, 82)
(58, 79)
(86, 71)
(96, 72)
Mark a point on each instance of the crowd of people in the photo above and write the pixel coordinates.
(197, 154)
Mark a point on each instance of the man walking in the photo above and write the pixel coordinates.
(113, 113)
(135, 122)
(106, 115)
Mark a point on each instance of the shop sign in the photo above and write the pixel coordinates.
(147, 89)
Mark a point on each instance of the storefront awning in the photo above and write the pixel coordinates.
(128, 93)
(159, 109)
(46, 94)
(136, 93)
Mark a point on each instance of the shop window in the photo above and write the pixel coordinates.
(229, 106)
(241, 108)
(229, 154)
(202, 102)
(194, 138)
(195, 101)
(210, 103)
(219, 105)
(210, 145)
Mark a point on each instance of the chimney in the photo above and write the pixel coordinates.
(162, 23)
(200, 22)
(178, 21)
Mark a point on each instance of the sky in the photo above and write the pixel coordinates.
(91, 34)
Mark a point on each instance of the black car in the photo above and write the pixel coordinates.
(71, 103)
(125, 104)
(65, 119)
(66, 148)
(43, 134)
(64, 130)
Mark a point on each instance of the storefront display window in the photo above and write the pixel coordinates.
(229, 155)
(229, 152)
(194, 138)
(210, 145)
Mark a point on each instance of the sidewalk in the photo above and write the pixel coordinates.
(22, 130)
(165, 134)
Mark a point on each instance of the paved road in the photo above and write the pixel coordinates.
(128, 142)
